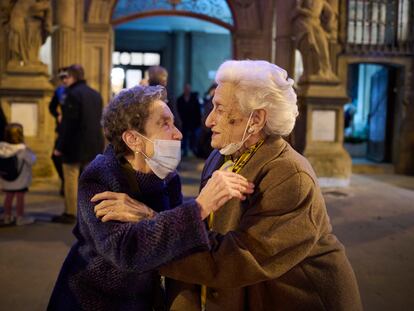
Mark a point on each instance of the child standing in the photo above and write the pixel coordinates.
(13, 150)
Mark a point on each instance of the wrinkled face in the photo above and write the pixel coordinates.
(226, 120)
(159, 125)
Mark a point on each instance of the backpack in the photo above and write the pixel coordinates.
(9, 168)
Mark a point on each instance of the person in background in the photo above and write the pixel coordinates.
(111, 266)
(204, 140)
(189, 110)
(55, 109)
(158, 75)
(80, 136)
(11, 148)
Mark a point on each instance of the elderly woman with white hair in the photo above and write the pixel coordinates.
(275, 250)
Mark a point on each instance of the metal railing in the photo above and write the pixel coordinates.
(379, 26)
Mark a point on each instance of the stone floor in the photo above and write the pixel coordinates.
(374, 218)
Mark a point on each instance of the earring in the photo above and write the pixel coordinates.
(250, 130)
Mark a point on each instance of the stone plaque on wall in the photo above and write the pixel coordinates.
(323, 125)
(26, 114)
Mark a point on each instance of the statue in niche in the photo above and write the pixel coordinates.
(314, 24)
(28, 26)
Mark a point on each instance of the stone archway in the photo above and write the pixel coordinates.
(252, 36)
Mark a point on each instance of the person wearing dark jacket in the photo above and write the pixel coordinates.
(111, 266)
(80, 136)
(189, 110)
(158, 75)
(55, 109)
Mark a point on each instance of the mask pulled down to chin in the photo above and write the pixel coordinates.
(234, 147)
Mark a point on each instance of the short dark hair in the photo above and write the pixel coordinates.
(13, 133)
(129, 110)
(76, 71)
(157, 75)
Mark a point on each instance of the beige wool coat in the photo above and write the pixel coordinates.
(274, 251)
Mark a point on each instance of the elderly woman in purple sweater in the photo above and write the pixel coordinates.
(112, 264)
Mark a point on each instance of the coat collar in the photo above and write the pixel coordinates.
(270, 150)
(114, 174)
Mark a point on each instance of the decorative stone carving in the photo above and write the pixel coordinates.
(313, 26)
(28, 25)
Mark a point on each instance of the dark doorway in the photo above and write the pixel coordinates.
(370, 113)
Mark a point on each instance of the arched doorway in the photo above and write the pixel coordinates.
(189, 38)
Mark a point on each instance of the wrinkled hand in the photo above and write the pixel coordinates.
(120, 207)
(220, 188)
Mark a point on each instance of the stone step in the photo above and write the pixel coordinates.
(364, 166)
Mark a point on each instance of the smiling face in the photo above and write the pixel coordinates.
(226, 120)
(159, 125)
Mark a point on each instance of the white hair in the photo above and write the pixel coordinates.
(262, 85)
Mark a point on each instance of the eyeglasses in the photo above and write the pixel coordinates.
(63, 77)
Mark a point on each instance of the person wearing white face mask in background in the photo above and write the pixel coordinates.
(111, 265)
(275, 250)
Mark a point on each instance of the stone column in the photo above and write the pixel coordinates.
(97, 45)
(64, 41)
(405, 163)
(320, 129)
(285, 46)
(179, 62)
(3, 48)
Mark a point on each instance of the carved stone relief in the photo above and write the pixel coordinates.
(314, 25)
(28, 25)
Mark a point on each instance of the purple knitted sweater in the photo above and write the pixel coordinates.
(111, 266)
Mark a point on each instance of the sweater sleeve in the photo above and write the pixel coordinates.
(275, 233)
(145, 245)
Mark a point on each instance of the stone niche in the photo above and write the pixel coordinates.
(24, 96)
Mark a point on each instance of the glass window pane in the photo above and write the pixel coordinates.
(298, 66)
(133, 77)
(151, 59)
(359, 10)
(136, 59)
(117, 79)
(125, 58)
(403, 19)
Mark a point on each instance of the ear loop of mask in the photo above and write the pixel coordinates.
(245, 129)
(147, 157)
(233, 147)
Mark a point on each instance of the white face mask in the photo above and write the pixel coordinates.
(233, 147)
(167, 156)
